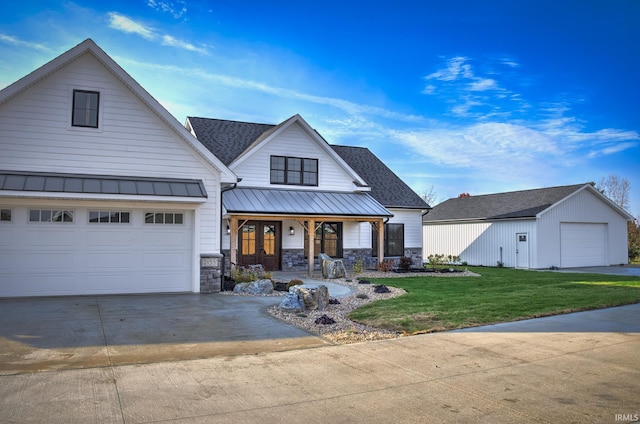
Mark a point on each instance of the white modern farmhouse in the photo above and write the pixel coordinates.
(103, 191)
(299, 196)
(564, 227)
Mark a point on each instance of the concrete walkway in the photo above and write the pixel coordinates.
(445, 378)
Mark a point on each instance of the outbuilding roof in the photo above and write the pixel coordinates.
(509, 205)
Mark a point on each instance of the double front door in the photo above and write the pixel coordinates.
(260, 243)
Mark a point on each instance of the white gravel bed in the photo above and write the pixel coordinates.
(345, 331)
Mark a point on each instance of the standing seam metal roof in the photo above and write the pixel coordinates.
(99, 184)
(301, 202)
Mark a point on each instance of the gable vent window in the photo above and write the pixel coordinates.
(85, 108)
(294, 171)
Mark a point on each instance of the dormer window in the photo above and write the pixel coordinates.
(294, 171)
(85, 108)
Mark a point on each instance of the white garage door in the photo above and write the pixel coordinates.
(66, 251)
(583, 245)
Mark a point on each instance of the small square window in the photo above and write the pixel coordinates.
(85, 108)
(163, 218)
(5, 215)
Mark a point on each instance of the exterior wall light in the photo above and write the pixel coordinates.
(292, 232)
(228, 229)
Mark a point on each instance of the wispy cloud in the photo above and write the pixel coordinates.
(168, 40)
(176, 9)
(14, 41)
(125, 24)
(122, 23)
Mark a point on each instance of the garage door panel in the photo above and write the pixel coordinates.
(101, 283)
(6, 237)
(50, 284)
(48, 261)
(166, 239)
(583, 244)
(168, 281)
(43, 236)
(115, 238)
(94, 258)
(108, 261)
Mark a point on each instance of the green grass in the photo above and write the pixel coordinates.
(498, 295)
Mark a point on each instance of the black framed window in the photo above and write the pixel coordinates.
(108, 217)
(328, 240)
(393, 240)
(294, 171)
(5, 215)
(85, 108)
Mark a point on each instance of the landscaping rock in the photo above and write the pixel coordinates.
(325, 320)
(331, 268)
(254, 287)
(306, 297)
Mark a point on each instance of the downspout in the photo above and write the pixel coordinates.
(222, 264)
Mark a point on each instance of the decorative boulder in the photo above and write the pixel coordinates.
(331, 268)
(306, 297)
(254, 287)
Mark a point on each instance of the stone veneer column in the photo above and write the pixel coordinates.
(210, 273)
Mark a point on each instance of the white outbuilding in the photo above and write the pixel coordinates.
(565, 227)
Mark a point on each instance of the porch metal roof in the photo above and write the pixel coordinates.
(100, 184)
(301, 202)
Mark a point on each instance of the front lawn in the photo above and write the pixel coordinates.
(498, 295)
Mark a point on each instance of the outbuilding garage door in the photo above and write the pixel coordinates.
(67, 251)
(583, 245)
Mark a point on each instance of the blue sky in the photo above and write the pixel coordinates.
(459, 96)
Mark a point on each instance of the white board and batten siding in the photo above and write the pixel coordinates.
(132, 140)
(479, 243)
(570, 231)
(293, 141)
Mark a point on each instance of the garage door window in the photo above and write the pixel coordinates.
(108, 217)
(50, 215)
(163, 218)
(5, 215)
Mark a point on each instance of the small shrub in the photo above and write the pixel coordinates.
(358, 266)
(405, 263)
(294, 282)
(325, 320)
(500, 264)
(381, 289)
(362, 296)
(363, 281)
(333, 301)
(385, 266)
(243, 275)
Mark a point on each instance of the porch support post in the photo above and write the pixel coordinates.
(233, 241)
(311, 230)
(380, 225)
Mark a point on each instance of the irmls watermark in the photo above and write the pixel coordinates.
(627, 418)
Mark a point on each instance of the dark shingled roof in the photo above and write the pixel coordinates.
(229, 139)
(386, 187)
(515, 204)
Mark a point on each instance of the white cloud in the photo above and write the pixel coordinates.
(8, 39)
(168, 40)
(483, 84)
(177, 9)
(122, 23)
(455, 69)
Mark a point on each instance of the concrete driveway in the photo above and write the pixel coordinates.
(42, 334)
(629, 270)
